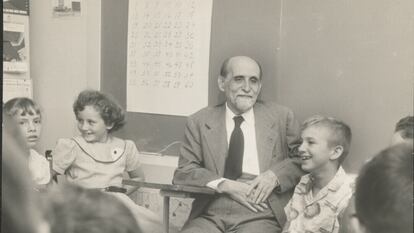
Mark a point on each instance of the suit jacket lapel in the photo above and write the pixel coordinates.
(216, 138)
(265, 135)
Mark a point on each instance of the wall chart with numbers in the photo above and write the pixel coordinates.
(168, 56)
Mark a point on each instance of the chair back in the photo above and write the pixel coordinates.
(49, 157)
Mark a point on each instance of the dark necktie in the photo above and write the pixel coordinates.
(234, 162)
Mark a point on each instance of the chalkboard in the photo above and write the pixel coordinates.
(239, 27)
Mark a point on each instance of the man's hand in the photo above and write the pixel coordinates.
(238, 192)
(262, 186)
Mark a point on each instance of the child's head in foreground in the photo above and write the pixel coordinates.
(325, 142)
(74, 209)
(20, 212)
(404, 130)
(384, 191)
(97, 115)
(27, 115)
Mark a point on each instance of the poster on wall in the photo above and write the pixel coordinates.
(168, 56)
(17, 88)
(15, 46)
(61, 8)
(19, 7)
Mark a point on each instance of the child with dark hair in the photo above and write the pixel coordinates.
(96, 159)
(384, 192)
(73, 209)
(404, 130)
(403, 133)
(28, 117)
(110, 111)
(320, 197)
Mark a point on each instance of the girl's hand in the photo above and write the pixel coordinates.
(137, 175)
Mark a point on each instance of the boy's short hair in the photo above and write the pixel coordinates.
(405, 126)
(23, 104)
(110, 111)
(341, 132)
(384, 189)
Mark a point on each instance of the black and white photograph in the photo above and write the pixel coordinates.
(207, 116)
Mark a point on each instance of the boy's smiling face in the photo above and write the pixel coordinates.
(315, 151)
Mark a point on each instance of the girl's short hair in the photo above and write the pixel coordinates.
(23, 104)
(110, 111)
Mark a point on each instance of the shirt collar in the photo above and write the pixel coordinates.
(247, 116)
(338, 180)
(306, 181)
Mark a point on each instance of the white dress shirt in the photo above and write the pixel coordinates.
(250, 158)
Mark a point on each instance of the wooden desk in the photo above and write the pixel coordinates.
(171, 190)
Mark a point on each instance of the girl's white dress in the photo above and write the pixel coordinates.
(99, 165)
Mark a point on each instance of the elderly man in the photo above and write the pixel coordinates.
(243, 149)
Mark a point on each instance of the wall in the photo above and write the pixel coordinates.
(65, 54)
(245, 27)
(345, 58)
(350, 59)
(238, 27)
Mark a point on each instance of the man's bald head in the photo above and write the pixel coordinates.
(227, 64)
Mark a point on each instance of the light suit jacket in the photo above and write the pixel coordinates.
(204, 152)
